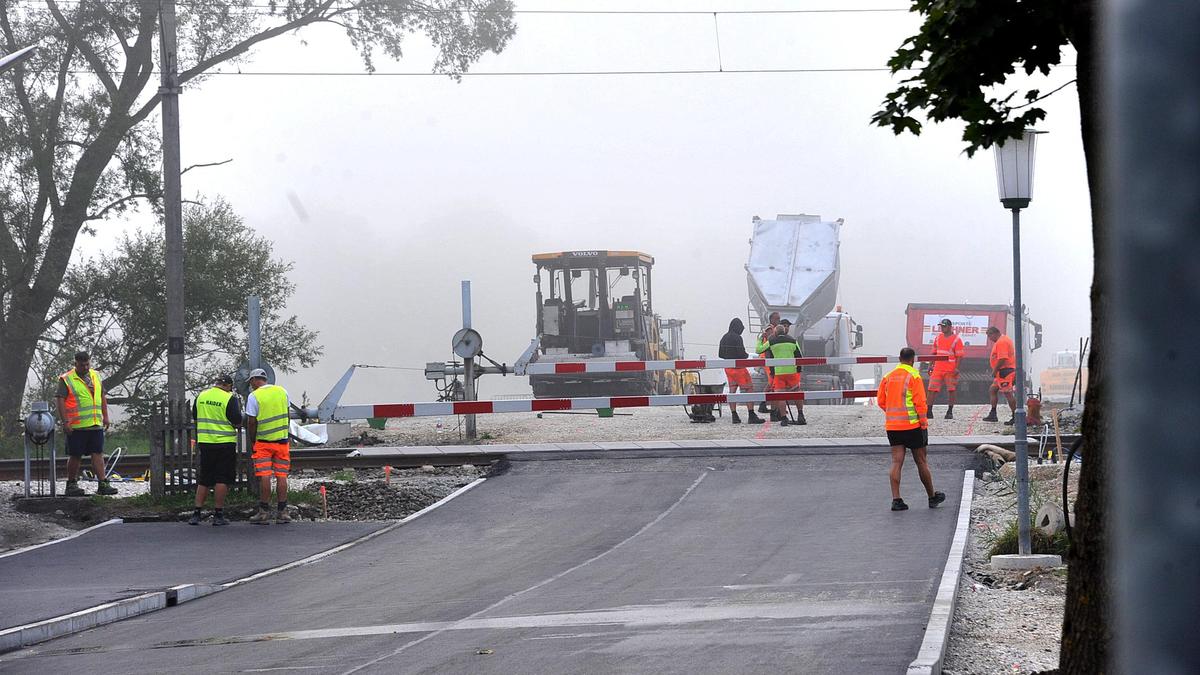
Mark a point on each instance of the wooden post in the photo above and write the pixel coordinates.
(158, 486)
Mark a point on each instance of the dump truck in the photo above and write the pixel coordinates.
(971, 323)
(598, 305)
(1064, 378)
(794, 269)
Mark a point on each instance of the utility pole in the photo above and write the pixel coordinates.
(172, 203)
(468, 363)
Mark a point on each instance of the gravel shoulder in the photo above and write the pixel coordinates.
(1007, 622)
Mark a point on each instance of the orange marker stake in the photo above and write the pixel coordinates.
(387, 474)
(324, 504)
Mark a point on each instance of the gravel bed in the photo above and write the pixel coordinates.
(1007, 622)
(18, 530)
(650, 424)
(369, 497)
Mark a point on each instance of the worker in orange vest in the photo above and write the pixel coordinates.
(1004, 372)
(902, 397)
(946, 343)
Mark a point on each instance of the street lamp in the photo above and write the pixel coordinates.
(9, 60)
(1014, 181)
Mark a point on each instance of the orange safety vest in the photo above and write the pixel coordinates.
(949, 346)
(902, 397)
(84, 406)
(1004, 354)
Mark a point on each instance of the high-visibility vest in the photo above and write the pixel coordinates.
(212, 424)
(947, 346)
(272, 413)
(902, 397)
(82, 404)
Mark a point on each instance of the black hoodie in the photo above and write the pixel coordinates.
(732, 346)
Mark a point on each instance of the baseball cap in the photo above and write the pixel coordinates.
(784, 322)
(946, 322)
(258, 372)
(223, 379)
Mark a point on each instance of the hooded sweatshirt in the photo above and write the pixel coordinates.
(732, 346)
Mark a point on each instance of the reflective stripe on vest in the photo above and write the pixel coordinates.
(272, 413)
(901, 413)
(212, 425)
(82, 406)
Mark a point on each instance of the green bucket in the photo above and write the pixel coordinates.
(377, 423)
(604, 412)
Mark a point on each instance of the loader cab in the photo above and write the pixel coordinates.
(593, 302)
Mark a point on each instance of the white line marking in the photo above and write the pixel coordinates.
(937, 631)
(540, 584)
(114, 521)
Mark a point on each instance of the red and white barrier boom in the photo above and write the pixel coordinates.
(597, 366)
(358, 412)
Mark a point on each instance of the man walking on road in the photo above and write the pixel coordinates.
(217, 414)
(902, 397)
(732, 347)
(83, 411)
(267, 425)
(1004, 372)
(946, 343)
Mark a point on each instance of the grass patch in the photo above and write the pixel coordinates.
(345, 475)
(179, 502)
(1006, 542)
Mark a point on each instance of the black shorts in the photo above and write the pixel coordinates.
(218, 463)
(909, 438)
(88, 441)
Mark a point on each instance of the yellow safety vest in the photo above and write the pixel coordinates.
(82, 406)
(272, 413)
(212, 425)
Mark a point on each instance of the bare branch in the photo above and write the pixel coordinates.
(201, 166)
(118, 204)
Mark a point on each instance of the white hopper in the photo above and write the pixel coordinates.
(794, 268)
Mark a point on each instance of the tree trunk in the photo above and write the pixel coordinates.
(1086, 630)
(19, 335)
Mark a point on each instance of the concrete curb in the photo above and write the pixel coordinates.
(937, 631)
(84, 619)
(114, 521)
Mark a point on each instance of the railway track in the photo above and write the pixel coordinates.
(319, 459)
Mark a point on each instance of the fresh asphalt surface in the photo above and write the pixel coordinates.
(123, 560)
(666, 565)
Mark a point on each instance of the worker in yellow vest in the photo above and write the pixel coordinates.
(902, 397)
(83, 412)
(267, 426)
(218, 414)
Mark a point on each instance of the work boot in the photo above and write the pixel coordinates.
(1010, 421)
(283, 517)
(73, 490)
(775, 417)
(262, 517)
(800, 419)
(219, 520)
(754, 419)
(762, 408)
(991, 417)
(784, 422)
(195, 519)
(899, 505)
(937, 498)
(736, 419)
(105, 489)
(950, 413)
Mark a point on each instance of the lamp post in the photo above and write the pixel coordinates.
(1014, 181)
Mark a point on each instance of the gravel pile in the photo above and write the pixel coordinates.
(18, 530)
(650, 424)
(1007, 622)
(409, 491)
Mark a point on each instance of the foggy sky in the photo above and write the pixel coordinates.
(407, 185)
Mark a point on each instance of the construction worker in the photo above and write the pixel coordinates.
(902, 397)
(787, 378)
(945, 343)
(1004, 372)
(761, 348)
(267, 424)
(218, 414)
(732, 347)
(83, 411)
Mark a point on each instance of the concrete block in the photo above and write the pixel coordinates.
(1025, 562)
(338, 431)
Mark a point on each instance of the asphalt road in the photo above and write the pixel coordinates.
(663, 565)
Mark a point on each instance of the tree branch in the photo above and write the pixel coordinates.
(201, 166)
(89, 54)
(1044, 96)
(117, 204)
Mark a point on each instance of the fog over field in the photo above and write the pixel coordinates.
(388, 190)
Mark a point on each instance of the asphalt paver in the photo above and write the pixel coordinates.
(654, 564)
